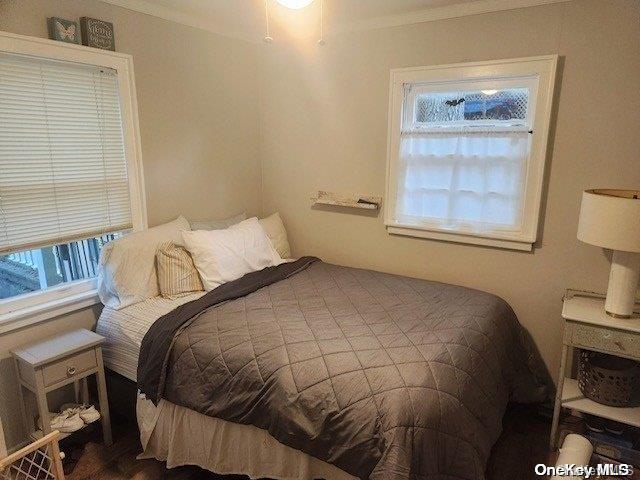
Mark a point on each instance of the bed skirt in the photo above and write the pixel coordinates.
(181, 436)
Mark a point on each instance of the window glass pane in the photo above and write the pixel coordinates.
(34, 270)
(471, 106)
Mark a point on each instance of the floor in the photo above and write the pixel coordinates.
(522, 445)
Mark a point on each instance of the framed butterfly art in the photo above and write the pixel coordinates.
(63, 30)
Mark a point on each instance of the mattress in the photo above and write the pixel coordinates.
(124, 330)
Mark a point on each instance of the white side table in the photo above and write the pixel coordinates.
(58, 361)
(588, 327)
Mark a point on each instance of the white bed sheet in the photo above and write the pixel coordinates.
(124, 330)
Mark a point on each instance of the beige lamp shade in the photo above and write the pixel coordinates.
(611, 219)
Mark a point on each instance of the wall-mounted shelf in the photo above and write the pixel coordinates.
(363, 201)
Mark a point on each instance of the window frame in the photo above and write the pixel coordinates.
(541, 67)
(34, 307)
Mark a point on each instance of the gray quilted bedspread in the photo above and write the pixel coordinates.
(384, 376)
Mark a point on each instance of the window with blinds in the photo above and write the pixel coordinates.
(63, 171)
(467, 151)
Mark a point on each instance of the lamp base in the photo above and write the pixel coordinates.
(623, 284)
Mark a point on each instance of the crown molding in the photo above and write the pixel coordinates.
(476, 7)
(176, 16)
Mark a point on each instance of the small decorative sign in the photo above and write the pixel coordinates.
(97, 33)
(63, 30)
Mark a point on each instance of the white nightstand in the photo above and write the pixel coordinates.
(588, 327)
(58, 361)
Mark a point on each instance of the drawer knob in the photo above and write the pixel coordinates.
(71, 371)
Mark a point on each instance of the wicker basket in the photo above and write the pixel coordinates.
(609, 380)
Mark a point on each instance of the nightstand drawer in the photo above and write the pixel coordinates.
(69, 367)
(613, 341)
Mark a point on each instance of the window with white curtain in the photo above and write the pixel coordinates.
(70, 177)
(467, 148)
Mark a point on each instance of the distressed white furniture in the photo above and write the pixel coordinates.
(58, 361)
(365, 202)
(588, 327)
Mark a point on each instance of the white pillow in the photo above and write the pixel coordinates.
(276, 232)
(224, 255)
(219, 224)
(127, 272)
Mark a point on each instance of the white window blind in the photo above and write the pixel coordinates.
(63, 171)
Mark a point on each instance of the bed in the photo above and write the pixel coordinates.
(311, 370)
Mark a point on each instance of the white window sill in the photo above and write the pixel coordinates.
(508, 244)
(42, 312)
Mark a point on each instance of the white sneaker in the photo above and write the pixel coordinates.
(88, 414)
(65, 422)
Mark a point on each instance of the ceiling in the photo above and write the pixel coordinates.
(246, 18)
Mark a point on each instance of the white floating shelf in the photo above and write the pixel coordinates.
(365, 202)
(573, 398)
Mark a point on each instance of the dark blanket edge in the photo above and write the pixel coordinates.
(158, 341)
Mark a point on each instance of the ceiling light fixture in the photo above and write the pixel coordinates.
(295, 4)
(489, 92)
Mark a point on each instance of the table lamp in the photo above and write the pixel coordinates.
(611, 219)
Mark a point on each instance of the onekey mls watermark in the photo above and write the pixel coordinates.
(583, 471)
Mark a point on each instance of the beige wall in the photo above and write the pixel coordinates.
(325, 127)
(197, 99)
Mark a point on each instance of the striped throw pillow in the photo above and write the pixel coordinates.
(177, 275)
